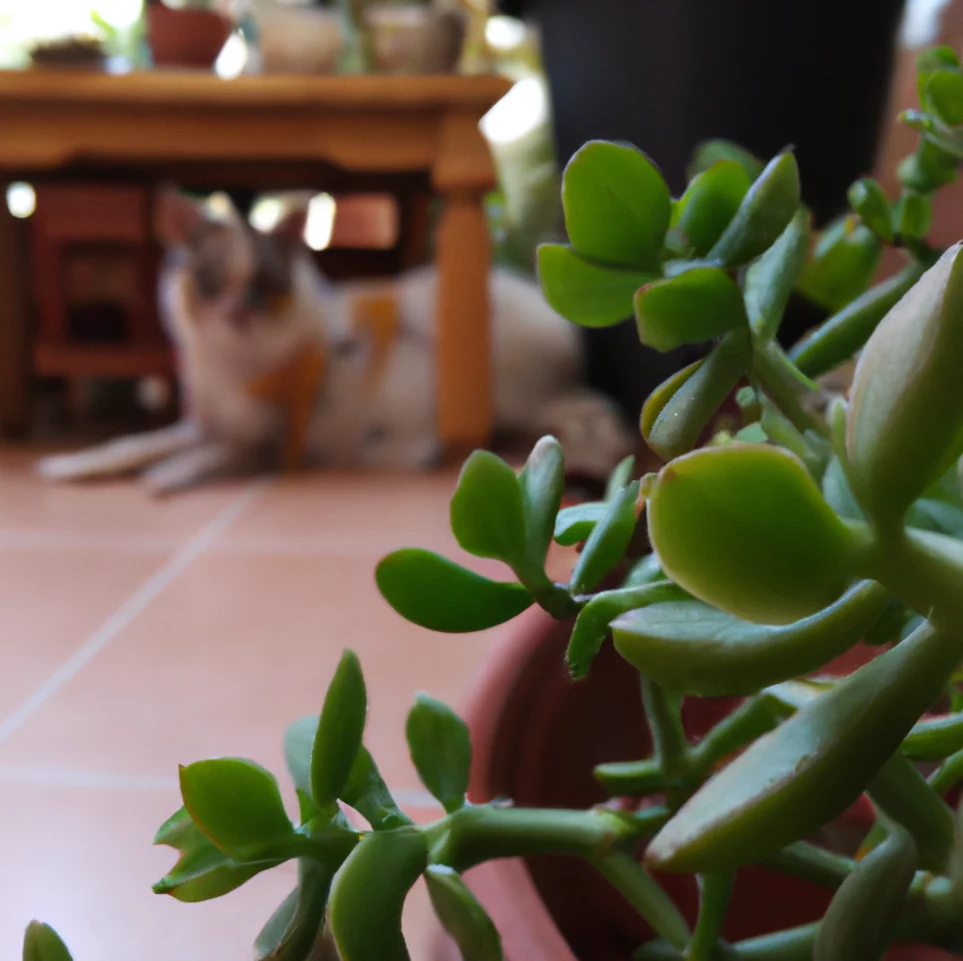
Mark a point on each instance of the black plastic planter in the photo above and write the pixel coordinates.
(667, 74)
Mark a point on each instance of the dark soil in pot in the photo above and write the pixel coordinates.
(537, 737)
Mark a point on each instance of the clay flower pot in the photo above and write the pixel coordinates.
(536, 738)
(186, 37)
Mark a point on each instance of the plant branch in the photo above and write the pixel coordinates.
(949, 773)
(663, 711)
(811, 863)
(902, 793)
(646, 895)
(784, 389)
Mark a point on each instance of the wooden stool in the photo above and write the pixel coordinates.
(94, 281)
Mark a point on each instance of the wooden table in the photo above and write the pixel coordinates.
(52, 121)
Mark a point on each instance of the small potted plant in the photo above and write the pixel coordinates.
(729, 581)
(186, 33)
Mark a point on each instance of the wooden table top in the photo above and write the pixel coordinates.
(201, 89)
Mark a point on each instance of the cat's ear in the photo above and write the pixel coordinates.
(176, 216)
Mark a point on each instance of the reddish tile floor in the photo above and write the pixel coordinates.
(139, 634)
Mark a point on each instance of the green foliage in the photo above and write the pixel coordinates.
(905, 422)
(462, 916)
(369, 892)
(238, 805)
(692, 647)
(744, 527)
(339, 732)
(780, 545)
(42, 943)
(699, 305)
(859, 923)
(441, 750)
(617, 206)
(438, 594)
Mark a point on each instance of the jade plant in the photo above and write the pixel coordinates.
(741, 568)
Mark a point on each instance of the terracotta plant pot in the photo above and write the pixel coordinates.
(536, 738)
(411, 38)
(186, 37)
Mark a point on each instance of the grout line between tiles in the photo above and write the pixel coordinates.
(111, 781)
(131, 608)
(39, 540)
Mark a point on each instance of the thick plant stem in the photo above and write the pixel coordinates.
(902, 793)
(749, 721)
(925, 571)
(476, 834)
(811, 863)
(949, 774)
(663, 711)
(715, 892)
(646, 895)
(784, 390)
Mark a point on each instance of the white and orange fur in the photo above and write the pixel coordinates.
(241, 307)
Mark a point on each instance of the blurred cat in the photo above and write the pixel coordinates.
(279, 366)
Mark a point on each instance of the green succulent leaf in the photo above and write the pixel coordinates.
(608, 541)
(298, 745)
(646, 570)
(617, 205)
(843, 264)
(203, 872)
(858, 925)
(488, 511)
(913, 215)
(367, 793)
(369, 892)
(810, 768)
(708, 205)
(441, 750)
(679, 410)
(542, 482)
(620, 477)
(294, 929)
(934, 738)
(436, 593)
(869, 201)
(574, 524)
(711, 152)
(904, 426)
(584, 292)
(944, 91)
(42, 943)
(238, 805)
(699, 305)
(845, 333)
(592, 625)
(339, 732)
(690, 647)
(770, 280)
(462, 916)
(744, 528)
(762, 216)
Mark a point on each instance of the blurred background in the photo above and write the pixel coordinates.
(138, 634)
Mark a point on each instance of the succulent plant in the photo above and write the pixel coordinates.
(741, 568)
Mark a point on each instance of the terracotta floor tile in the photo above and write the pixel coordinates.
(50, 603)
(120, 506)
(234, 650)
(85, 864)
(350, 514)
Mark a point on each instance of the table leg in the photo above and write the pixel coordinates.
(14, 327)
(464, 355)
